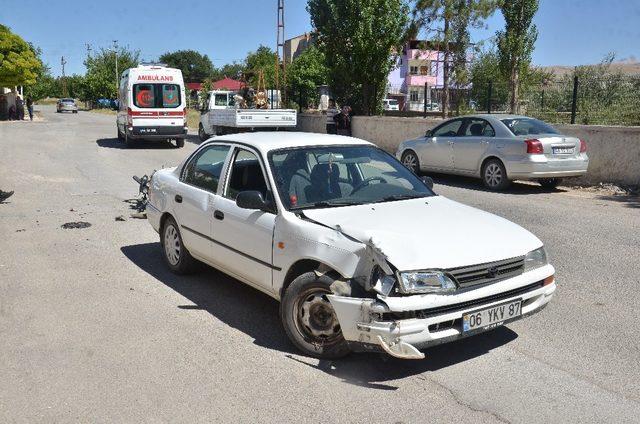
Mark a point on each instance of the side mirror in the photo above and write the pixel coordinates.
(252, 199)
(428, 182)
(428, 133)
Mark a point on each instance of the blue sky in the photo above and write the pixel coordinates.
(571, 32)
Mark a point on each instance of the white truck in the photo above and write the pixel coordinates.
(221, 116)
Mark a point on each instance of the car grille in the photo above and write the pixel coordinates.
(456, 307)
(491, 272)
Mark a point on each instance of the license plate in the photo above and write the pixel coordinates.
(491, 317)
(562, 150)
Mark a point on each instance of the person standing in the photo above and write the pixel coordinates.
(331, 112)
(343, 121)
(19, 108)
(30, 107)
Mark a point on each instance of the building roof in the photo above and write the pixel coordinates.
(228, 84)
(194, 85)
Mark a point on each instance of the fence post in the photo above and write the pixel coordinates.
(489, 96)
(424, 114)
(574, 101)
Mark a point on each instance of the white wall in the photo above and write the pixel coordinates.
(614, 152)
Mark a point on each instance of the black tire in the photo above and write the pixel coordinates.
(179, 142)
(201, 133)
(127, 141)
(494, 175)
(175, 254)
(75, 111)
(304, 310)
(550, 183)
(411, 161)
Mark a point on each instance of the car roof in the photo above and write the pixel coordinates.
(266, 141)
(496, 116)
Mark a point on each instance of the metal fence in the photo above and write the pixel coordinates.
(608, 100)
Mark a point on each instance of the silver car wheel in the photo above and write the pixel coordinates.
(410, 161)
(172, 244)
(493, 175)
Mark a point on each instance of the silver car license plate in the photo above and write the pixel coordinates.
(491, 317)
(562, 150)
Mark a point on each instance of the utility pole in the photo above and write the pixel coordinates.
(115, 50)
(64, 80)
(280, 53)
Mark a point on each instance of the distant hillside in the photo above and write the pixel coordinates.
(626, 67)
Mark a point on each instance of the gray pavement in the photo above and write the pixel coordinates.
(93, 328)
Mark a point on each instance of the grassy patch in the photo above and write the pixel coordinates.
(104, 111)
(193, 118)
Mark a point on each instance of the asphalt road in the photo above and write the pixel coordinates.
(93, 327)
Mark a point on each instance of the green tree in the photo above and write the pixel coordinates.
(305, 74)
(360, 40)
(516, 43)
(195, 67)
(100, 79)
(232, 70)
(447, 23)
(262, 60)
(19, 62)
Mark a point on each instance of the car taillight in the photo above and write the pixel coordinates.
(534, 146)
(129, 116)
(583, 146)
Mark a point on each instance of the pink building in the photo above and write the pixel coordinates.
(420, 63)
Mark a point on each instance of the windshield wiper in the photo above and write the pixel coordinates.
(395, 197)
(327, 204)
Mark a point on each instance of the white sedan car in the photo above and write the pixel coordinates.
(498, 149)
(361, 253)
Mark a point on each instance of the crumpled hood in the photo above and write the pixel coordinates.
(432, 232)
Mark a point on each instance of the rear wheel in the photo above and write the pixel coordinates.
(411, 161)
(179, 142)
(175, 254)
(550, 183)
(309, 319)
(494, 175)
(201, 133)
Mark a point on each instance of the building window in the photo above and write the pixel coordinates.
(413, 95)
(424, 70)
(413, 70)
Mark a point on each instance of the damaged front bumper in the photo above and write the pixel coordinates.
(403, 325)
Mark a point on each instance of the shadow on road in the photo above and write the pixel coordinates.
(256, 315)
(516, 187)
(114, 143)
(629, 200)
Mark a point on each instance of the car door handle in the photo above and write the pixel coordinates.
(178, 198)
(218, 215)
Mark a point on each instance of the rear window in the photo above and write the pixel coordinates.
(156, 95)
(67, 101)
(528, 126)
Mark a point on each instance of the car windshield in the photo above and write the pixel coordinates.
(67, 101)
(330, 176)
(528, 126)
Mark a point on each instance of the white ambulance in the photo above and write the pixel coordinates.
(151, 105)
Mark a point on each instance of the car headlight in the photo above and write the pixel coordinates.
(426, 282)
(535, 259)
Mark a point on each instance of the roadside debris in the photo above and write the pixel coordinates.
(77, 224)
(120, 218)
(139, 215)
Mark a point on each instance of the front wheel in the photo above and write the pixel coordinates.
(411, 161)
(494, 175)
(309, 319)
(201, 133)
(550, 183)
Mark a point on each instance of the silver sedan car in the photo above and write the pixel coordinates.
(66, 105)
(498, 149)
